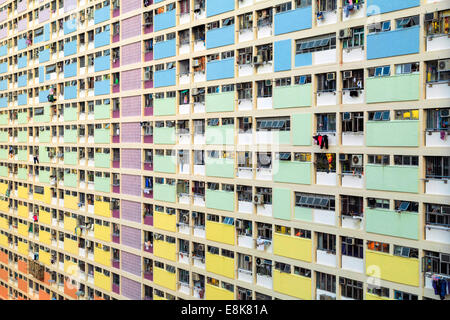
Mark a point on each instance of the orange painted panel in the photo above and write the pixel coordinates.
(3, 292)
(98, 298)
(43, 295)
(68, 291)
(4, 275)
(3, 257)
(23, 266)
(47, 277)
(23, 285)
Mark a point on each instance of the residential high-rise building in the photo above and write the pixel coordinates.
(224, 149)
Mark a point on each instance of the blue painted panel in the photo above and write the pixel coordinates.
(101, 87)
(43, 96)
(70, 48)
(303, 59)
(102, 63)
(220, 37)
(70, 70)
(164, 78)
(3, 67)
(293, 20)
(21, 44)
(47, 76)
(220, 69)
(165, 20)
(41, 75)
(3, 50)
(102, 39)
(70, 92)
(22, 62)
(401, 41)
(158, 1)
(102, 14)
(22, 81)
(3, 102)
(4, 85)
(282, 55)
(22, 99)
(38, 39)
(164, 49)
(70, 26)
(382, 6)
(44, 56)
(215, 7)
(47, 32)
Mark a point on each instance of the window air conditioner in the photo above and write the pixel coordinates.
(444, 65)
(257, 59)
(347, 74)
(331, 76)
(345, 33)
(258, 199)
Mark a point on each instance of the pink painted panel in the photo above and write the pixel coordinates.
(131, 132)
(131, 53)
(3, 15)
(21, 6)
(3, 33)
(131, 184)
(131, 211)
(22, 25)
(44, 15)
(131, 158)
(131, 5)
(131, 79)
(131, 106)
(131, 27)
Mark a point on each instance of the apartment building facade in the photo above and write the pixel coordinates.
(224, 149)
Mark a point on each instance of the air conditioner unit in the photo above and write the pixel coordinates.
(185, 218)
(202, 184)
(444, 113)
(350, 241)
(431, 16)
(343, 157)
(239, 224)
(326, 297)
(258, 199)
(347, 116)
(248, 50)
(347, 74)
(147, 75)
(195, 277)
(257, 59)
(331, 76)
(444, 65)
(196, 63)
(345, 33)
(196, 6)
(194, 215)
(201, 247)
(194, 91)
(268, 83)
(258, 262)
(239, 86)
(357, 160)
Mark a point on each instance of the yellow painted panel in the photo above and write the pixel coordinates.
(70, 267)
(220, 265)
(3, 240)
(292, 285)
(392, 268)
(23, 211)
(23, 229)
(216, 293)
(45, 217)
(103, 257)
(156, 297)
(165, 221)
(370, 296)
(164, 278)
(102, 281)
(4, 206)
(102, 209)
(102, 233)
(3, 188)
(45, 237)
(292, 247)
(70, 202)
(44, 257)
(38, 197)
(71, 246)
(23, 192)
(4, 223)
(70, 223)
(220, 232)
(23, 248)
(165, 250)
(47, 195)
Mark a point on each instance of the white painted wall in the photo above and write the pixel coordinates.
(246, 35)
(245, 207)
(354, 14)
(434, 140)
(245, 3)
(346, 99)
(199, 76)
(244, 173)
(329, 17)
(324, 57)
(184, 49)
(264, 32)
(352, 139)
(264, 103)
(440, 42)
(199, 139)
(437, 234)
(199, 46)
(438, 91)
(324, 216)
(353, 54)
(184, 79)
(353, 264)
(326, 258)
(352, 181)
(245, 70)
(244, 275)
(264, 281)
(245, 241)
(326, 98)
(185, 108)
(264, 174)
(264, 210)
(320, 292)
(437, 186)
(245, 105)
(184, 259)
(199, 233)
(324, 178)
(199, 107)
(185, 18)
(265, 68)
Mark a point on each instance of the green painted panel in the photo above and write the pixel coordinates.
(284, 137)
(220, 102)
(70, 158)
(3, 171)
(22, 155)
(43, 155)
(393, 88)
(45, 117)
(102, 111)
(164, 107)
(392, 178)
(102, 135)
(164, 135)
(301, 126)
(70, 136)
(395, 133)
(4, 119)
(165, 164)
(44, 176)
(70, 180)
(70, 114)
(22, 136)
(44, 136)
(292, 172)
(22, 173)
(219, 167)
(22, 117)
(3, 136)
(220, 199)
(102, 160)
(281, 203)
(3, 154)
(292, 96)
(102, 184)
(219, 134)
(391, 223)
(164, 192)
(302, 213)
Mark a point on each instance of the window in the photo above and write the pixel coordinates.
(302, 79)
(437, 214)
(283, 7)
(302, 156)
(437, 167)
(437, 23)
(379, 27)
(351, 288)
(351, 205)
(378, 203)
(352, 122)
(435, 262)
(378, 159)
(326, 282)
(409, 206)
(326, 82)
(356, 40)
(438, 71)
(269, 124)
(407, 22)
(437, 119)
(322, 43)
(302, 3)
(326, 242)
(283, 82)
(407, 68)
(400, 295)
(264, 88)
(406, 160)
(352, 247)
(315, 201)
(383, 71)
(379, 291)
(326, 122)
(406, 252)
(407, 114)
(306, 234)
